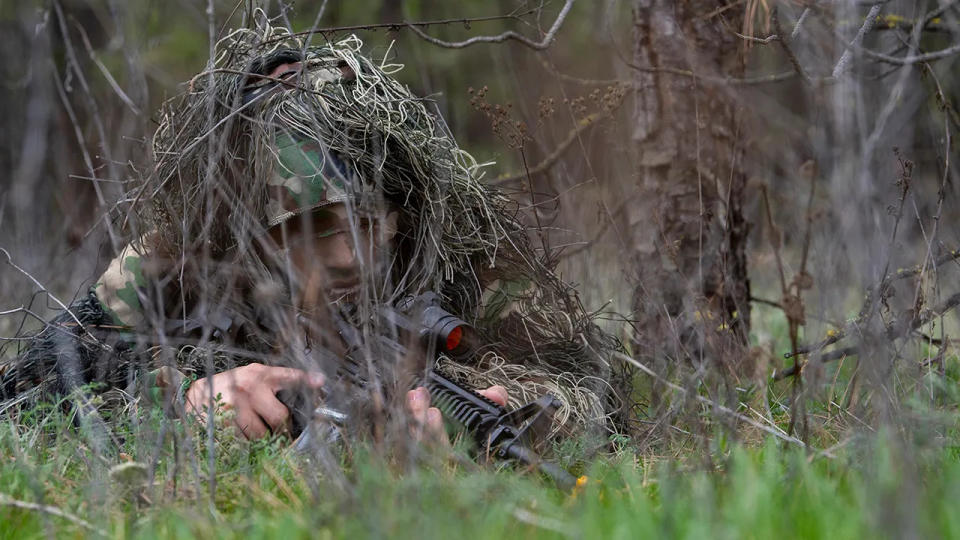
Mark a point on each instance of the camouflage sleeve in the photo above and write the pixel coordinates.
(121, 287)
(121, 293)
(165, 387)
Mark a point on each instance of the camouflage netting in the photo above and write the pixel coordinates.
(204, 211)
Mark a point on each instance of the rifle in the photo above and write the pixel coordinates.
(497, 432)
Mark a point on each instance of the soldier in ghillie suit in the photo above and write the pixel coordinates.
(289, 180)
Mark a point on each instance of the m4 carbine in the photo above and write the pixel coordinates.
(497, 432)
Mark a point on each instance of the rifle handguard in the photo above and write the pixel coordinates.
(506, 435)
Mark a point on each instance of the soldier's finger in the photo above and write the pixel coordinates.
(418, 401)
(250, 425)
(272, 411)
(283, 377)
(497, 394)
(434, 421)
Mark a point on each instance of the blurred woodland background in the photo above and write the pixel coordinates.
(726, 181)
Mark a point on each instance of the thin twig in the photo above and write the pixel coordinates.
(909, 60)
(603, 229)
(778, 305)
(941, 191)
(721, 9)
(45, 291)
(847, 55)
(763, 79)
(785, 46)
(936, 341)
(402, 24)
(762, 41)
(893, 333)
(917, 30)
(578, 80)
(103, 69)
(550, 160)
(832, 355)
(792, 307)
(809, 225)
(53, 511)
(505, 36)
(746, 419)
(775, 240)
(73, 65)
(928, 23)
(800, 21)
(533, 205)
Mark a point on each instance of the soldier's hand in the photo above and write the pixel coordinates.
(251, 391)
(429, 421)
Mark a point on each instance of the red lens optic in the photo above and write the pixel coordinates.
(454, 337)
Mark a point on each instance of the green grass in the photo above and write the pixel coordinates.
(883, 485)
(900, 479)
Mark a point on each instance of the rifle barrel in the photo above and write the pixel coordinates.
(563, 479)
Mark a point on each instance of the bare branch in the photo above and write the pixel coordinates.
(785, 45)
(918, 27)
(73, 65)
(847, 55)
(909, 60)
(103, 69)
(41, 287)
(53, 511)
(839, 334)
(399, 25)
(779, 375)
(763, 79)
(893, 333)
(800, 21)
(762, 41)
(578, 80)
(505, 36)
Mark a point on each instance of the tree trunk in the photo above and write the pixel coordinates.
(689, 232)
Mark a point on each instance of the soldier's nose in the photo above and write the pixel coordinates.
(343, 254)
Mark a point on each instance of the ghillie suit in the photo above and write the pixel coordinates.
(199, 266)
